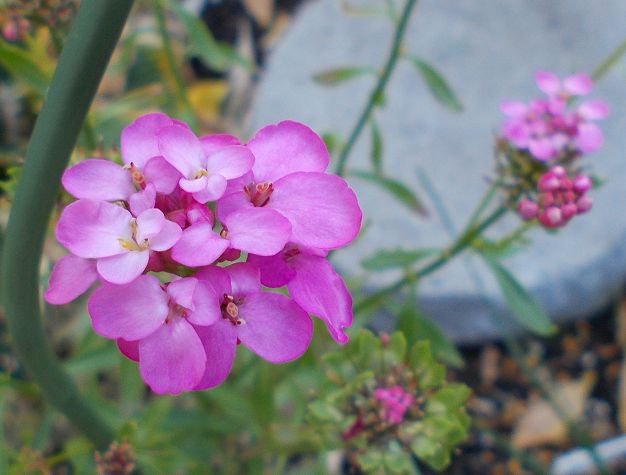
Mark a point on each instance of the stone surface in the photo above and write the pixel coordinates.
(488, 50)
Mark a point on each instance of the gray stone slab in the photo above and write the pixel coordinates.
(488, 50)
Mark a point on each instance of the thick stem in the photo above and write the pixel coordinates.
(87, 51)
(378, 91)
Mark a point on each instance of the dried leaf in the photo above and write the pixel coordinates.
(540, 424)
(261, 10)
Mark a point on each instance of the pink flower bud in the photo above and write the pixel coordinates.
(566, 184)
(551, 217)
(527, 209)
(569, 210)
(549, 182)
(582, 184)
(558, 171)
(546, 199)
(584, 204)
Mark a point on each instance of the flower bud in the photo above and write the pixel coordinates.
(584, 204)
(582, 184)
(527, 209)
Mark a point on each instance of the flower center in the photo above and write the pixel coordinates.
(200, 173)
(230, 310)
(138, 179)
(133, 245)
(258, 193)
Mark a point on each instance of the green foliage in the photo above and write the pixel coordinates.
(397, 189)
(522, 306)
(437, 85)
(386, 259)
(24, 65)
(376, 155)
(346, 413)
(337, 76)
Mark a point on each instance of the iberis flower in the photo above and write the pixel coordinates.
(168, 292)
(553, 127)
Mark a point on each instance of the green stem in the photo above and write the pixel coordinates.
(87, 51)
(378, 91)
(464, 241)
(180, 90)
(610, 61)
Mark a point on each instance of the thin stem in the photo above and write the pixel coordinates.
(180, 92)
(87, 51)
(378, 91)
(464, 241)
(610, 61)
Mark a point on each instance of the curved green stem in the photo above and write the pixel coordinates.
(610, 61)
(87, 51)
(464, 241)
(378, 91)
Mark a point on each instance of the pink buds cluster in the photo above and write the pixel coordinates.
(395, 402)
(559, 198)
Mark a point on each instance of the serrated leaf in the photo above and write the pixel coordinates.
(395, 258)
(202, 43)
(448, 399)
(376, 155)
(437, 85)
(23, 68)
(335, 76)
(522, 306)
(397, 189)
(417, 327)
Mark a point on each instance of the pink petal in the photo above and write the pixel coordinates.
(589, 137)
(515, 109)
(97, 179)
(230, 203)
(517, 132)
(182, 149)
(322, 209)
(149, 224)
(92, 229)
(206, 303)
(285, 148)
(181, 291)
(167, 237)
(230, 162)
(70, 277)
(193, 185)
(220, 343)
(319, 290)
(131, 311)
(275, 272)
(548, 82)
(593, 110)
(198, 246)
(541, 149)
(578, 84)
(217, 277)
(161, 174)
(142, 200)
(261, 231)
(245, 278)
(138, 140)
(123, 268)
(214, 189)
(172, 359)
(130, 349)
(197, 213)
(213, 143)
(274, 327)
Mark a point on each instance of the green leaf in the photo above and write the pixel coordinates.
(336, 76)
(93, 361)
(431, 373)
(395, 258)
(416, 327)
(397, 189)
(202, 43)
(522, 306)
(377, 148)
(23, 68)
(437, 85)
(448, 399)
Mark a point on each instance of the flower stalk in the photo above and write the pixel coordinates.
(82, 63)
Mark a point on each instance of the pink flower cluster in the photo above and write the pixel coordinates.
(169, 292)
(551, 128)
(395, 402)
(560, 198)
